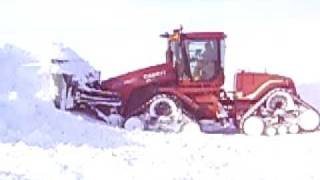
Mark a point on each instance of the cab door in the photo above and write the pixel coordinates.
(199, 73)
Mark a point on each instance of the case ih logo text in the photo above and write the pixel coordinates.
(150, 76)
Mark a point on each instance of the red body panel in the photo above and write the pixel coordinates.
(253, 86)
(158, 74)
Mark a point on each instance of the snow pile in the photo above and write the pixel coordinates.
(19, 83)
(15, 74)
(27, 116)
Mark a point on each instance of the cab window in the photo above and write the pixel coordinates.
(203, 58)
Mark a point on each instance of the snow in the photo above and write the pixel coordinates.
(75, 65)
(308, 91)
(41, 142)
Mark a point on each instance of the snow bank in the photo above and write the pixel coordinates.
(27, 112)
(14, 75)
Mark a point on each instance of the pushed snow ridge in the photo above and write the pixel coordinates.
(27, 111)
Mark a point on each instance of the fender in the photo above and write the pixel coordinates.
(202, 106)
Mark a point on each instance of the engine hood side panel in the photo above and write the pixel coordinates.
(252, 86)
(126, 83)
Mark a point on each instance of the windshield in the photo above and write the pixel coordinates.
(203, 57)
(202, 50)
(198, 60)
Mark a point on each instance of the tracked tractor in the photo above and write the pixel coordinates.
(186, 92)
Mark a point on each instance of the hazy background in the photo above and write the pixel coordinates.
(277, 36)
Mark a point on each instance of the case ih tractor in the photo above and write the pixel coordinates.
(186, 91)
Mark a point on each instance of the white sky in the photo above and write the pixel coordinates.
(280, 36)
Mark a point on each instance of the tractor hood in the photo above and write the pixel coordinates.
(154, 75)
(253, 85)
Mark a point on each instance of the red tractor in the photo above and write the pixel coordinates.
(187, 90)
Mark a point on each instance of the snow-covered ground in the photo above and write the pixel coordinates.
(40, 142)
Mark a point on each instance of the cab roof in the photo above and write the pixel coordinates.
(204, 35)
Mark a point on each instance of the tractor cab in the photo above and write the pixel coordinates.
(197, 57)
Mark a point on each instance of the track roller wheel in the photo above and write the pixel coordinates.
(280, 100)
(134, 123)
(293, 129)
(253, 126)
(166, 114)
(163, 105)
(271, 131)
(282, 129)
(309, 120)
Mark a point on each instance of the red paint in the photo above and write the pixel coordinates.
(125, 84)
(249, 82)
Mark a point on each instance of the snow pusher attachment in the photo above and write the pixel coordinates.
(84, 94)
